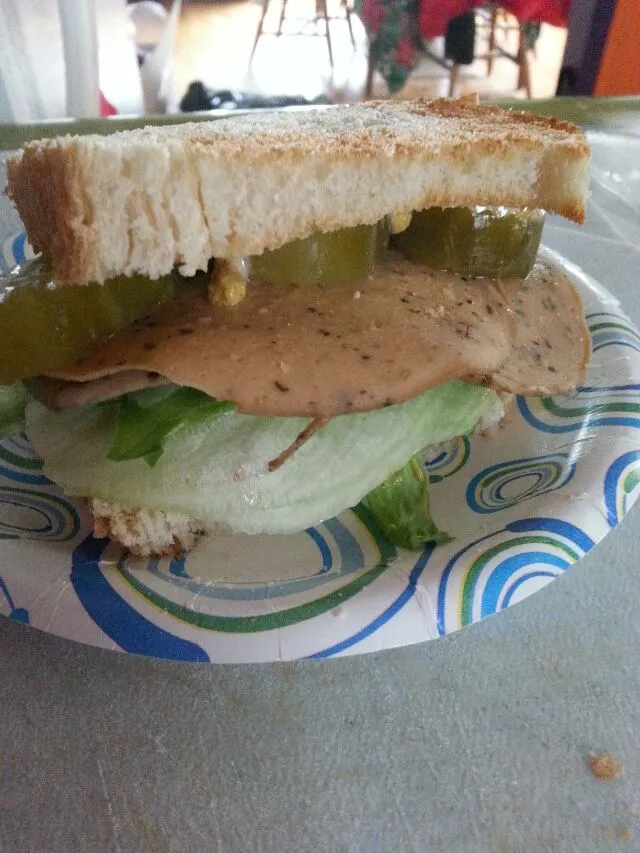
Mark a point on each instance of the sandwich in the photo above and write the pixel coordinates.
(249, 325)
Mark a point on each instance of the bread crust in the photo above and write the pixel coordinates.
(145, 532)
(147, 199)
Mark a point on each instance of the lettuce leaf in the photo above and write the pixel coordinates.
(12, 403)
(400, 505)
(147, 419)
(217, 470)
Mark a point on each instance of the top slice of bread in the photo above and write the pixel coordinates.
(145, 200)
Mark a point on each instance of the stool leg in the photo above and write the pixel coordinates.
(347, 12)
(321, 11)
(492, 40)
(524, 75)
(265, 4)
(453, 79)
(282, 15)
(368, 89)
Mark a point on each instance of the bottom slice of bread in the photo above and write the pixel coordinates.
(145, 532)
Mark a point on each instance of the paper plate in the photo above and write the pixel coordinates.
(522, 507)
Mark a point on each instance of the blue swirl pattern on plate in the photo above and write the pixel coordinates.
(621, 486)
(122, 623)
(509, 483)
(447, 459)
(15, 250)
(487, 572)
(18, 614)
(600, 404)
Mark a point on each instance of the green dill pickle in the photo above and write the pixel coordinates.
(323, 258)
(43, 326)
(492, 242)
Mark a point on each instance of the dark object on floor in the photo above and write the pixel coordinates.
(459, 40)
(198, 98)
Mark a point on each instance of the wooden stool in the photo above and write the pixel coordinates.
(495, 19)
(321, 15)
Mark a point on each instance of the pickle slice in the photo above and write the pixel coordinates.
(349, 253)
(43, 326)
(493, 242)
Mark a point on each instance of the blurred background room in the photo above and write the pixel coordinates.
(83, 58)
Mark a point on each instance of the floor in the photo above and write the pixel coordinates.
(214, 42)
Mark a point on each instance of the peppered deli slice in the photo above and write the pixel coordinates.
(320, 351)
(324, 351)
(553, 345)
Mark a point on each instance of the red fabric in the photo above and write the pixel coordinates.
(436, 14)
(106, 109)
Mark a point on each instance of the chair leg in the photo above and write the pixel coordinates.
(524, 72)
(265, 5)
(453, 79)
(492, 39)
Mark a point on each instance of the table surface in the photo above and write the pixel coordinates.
(478, 742)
